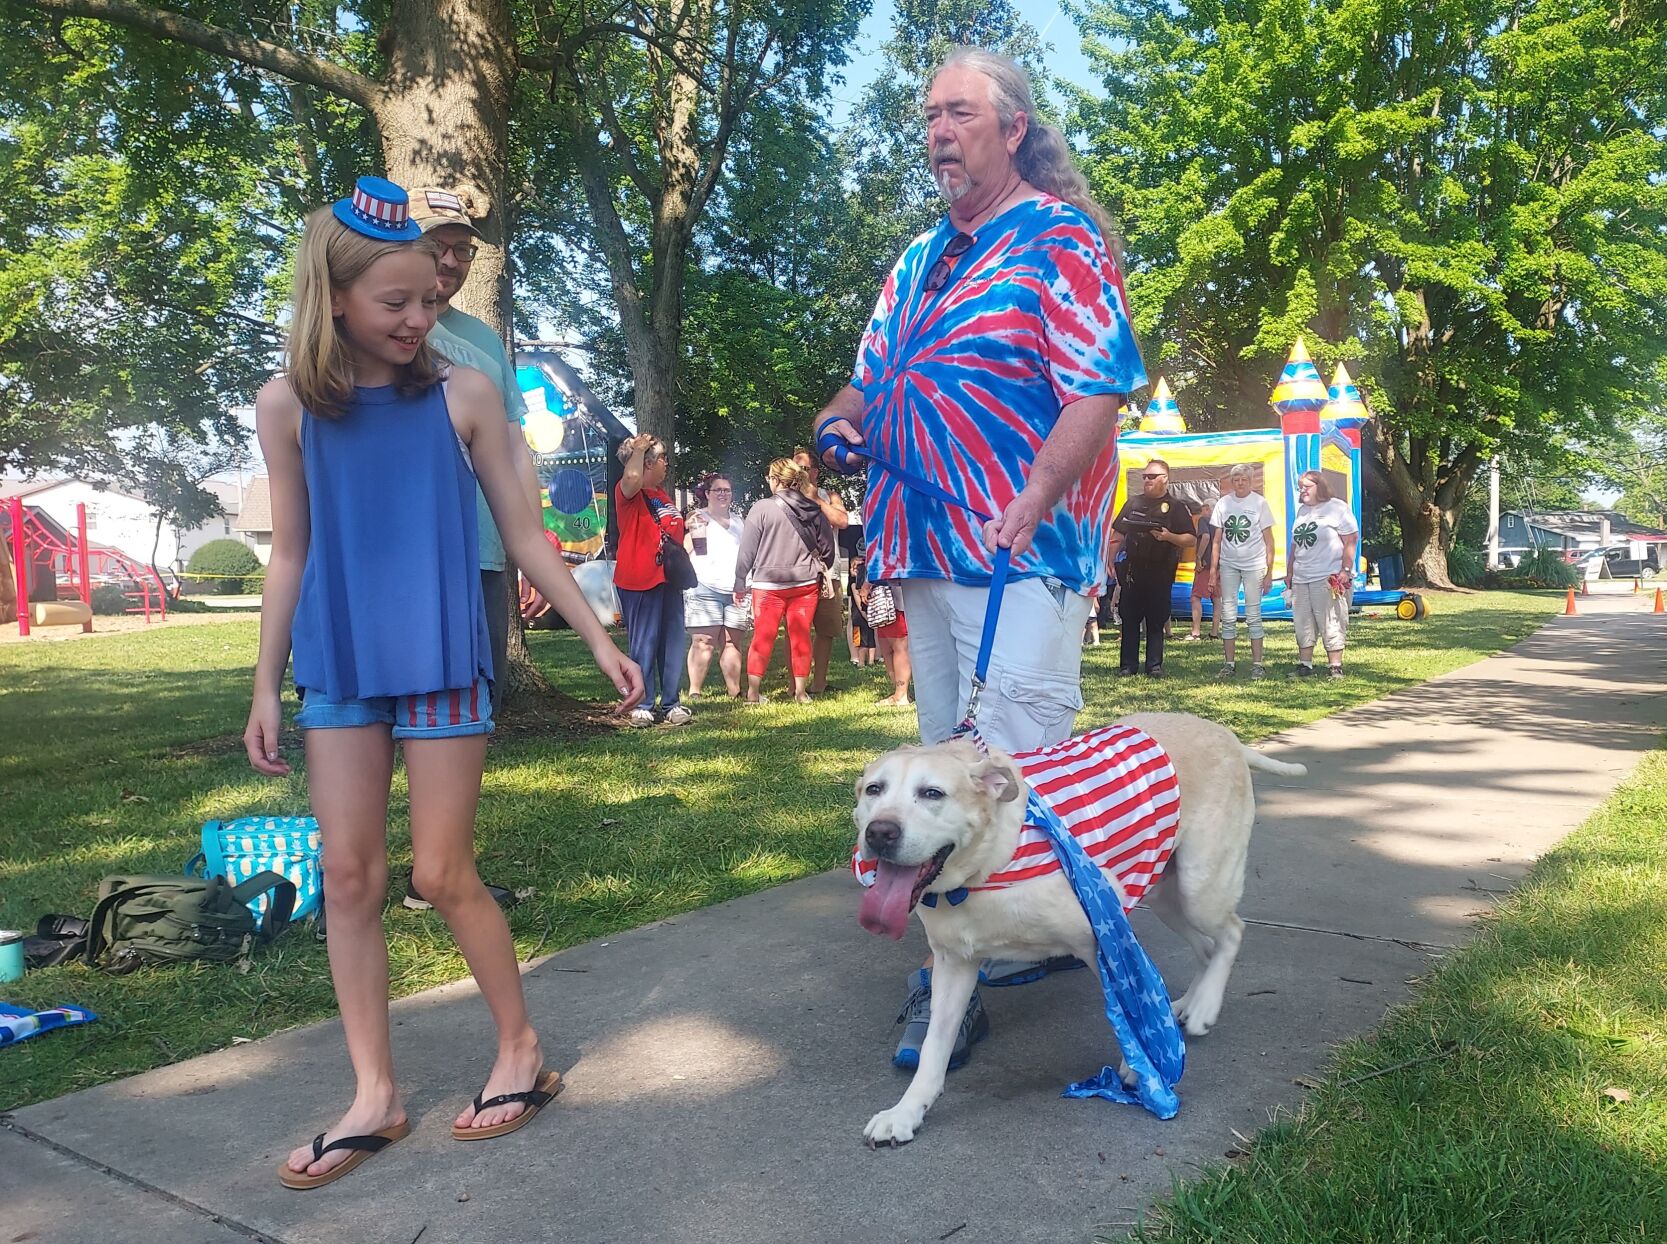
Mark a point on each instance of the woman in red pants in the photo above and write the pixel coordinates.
(785, 547)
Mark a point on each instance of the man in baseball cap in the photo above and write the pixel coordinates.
(467, 341)
(432, 207)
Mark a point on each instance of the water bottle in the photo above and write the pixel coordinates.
(11, 955)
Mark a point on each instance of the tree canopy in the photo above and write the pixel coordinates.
(1465, 201)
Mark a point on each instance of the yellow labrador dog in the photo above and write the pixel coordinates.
(941, 817)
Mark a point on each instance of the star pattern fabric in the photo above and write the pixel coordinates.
(1137, 1003)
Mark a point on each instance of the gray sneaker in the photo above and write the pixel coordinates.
(1300, 671)
(1334, 672)
(916, 1015)
(1258, 671)
(1228, 670)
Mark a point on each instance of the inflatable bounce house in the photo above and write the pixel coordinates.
(1319, 429)
(573, 437)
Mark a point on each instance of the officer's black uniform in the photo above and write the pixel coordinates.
(1146, 572)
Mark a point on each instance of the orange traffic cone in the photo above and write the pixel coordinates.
(1570, 611)
(1658, 608)
(1637, 586)
(1584, 590)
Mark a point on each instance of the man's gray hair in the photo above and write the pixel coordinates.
(1241, 470)
(1044, 159)
(651, 455)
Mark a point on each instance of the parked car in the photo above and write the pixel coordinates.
(1617, 562)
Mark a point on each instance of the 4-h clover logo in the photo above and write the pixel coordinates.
(1236, 528)
(1305, 535)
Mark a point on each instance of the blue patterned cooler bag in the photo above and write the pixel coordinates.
(286, 845)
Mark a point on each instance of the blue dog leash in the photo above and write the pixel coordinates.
(847, 463)
(1136, 999)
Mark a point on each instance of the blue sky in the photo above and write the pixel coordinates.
(1066, 61)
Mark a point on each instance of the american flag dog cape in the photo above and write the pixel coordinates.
(1108, 799)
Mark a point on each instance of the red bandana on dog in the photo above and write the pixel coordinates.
(1113, 789)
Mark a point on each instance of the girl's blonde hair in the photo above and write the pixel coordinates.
(785, 473)
(317, 362)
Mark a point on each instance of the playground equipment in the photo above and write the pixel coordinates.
(1319, 429)
(46, 557)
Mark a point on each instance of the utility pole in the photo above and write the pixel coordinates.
(1493, 513)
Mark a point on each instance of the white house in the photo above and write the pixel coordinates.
(254, 518)
(122, 521)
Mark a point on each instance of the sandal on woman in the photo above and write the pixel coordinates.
(548, 1084)
(364, 1148)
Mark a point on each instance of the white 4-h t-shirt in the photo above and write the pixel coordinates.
(1239, 524)
(1316, 551)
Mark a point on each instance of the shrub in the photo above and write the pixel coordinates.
(1543, 568)
(109, 600)
(1466, 567)
(226, 567)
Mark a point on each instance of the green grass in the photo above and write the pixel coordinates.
(1532, 1105)
(116, 749)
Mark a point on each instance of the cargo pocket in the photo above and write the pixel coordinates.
(1036, 707)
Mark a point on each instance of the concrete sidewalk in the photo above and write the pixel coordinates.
(721, 1065)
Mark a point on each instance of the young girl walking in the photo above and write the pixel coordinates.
(372, 452)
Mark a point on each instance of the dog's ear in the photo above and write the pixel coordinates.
(996, 780)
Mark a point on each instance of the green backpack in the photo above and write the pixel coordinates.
(172, 919)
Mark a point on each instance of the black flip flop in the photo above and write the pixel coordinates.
(364, 1148)
(548, 1084)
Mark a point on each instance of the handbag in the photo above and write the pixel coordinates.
(674, 560)
(290, 846)
(881, 609)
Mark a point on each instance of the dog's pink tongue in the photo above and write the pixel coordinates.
(885, 904)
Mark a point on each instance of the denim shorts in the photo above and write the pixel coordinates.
(432, 715)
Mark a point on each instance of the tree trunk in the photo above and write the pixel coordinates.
(156, 543)
(523, 680)
(443, 118)
(1424, 549)
(451, 71)
(1426, 495)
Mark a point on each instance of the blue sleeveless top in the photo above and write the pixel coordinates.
(390, 600)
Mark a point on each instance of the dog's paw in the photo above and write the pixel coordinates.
(1197, 1014)
(893, 1127)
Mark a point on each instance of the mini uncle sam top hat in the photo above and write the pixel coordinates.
(378, 209)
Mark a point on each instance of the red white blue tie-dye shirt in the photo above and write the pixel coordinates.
(963, 386)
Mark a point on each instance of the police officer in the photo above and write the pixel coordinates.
(1156, 531)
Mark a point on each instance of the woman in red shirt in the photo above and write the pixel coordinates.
(652, 608)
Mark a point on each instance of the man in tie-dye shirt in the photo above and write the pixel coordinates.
(996, 360)
(995, 363)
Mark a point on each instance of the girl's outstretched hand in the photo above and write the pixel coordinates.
(622, 671)
(260, 736)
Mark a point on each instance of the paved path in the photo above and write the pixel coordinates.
(721, 1065)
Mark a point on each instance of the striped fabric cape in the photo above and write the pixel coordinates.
(1113, 789)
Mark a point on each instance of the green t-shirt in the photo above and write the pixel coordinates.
(469, 342)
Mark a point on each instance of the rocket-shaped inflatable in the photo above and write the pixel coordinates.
(1298, 399)
(1162, 414)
